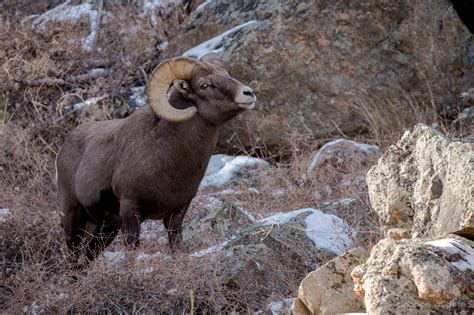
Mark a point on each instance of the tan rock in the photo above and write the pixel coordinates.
(417, 276)
(423, 186)
(329, 289)
(298, 308)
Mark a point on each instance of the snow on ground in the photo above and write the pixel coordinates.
(150, 7)
(246, 213)
(330, 150)
(89, 41)
(154, 230)
(222, 168)
(280, 307)
(144, 257)
(327, 231)
(5, 213)
(202, 5)
(214, 44)
(465, 254)
(61, 13)
(138, 96)
(283, 217)
(66, 12)
(212, 249)
(112, 258)
(88, 102)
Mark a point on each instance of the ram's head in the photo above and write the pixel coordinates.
(217, 97)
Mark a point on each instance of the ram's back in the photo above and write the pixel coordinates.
(84, 162)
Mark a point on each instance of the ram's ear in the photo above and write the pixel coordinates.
(213, 59)
(183, 87)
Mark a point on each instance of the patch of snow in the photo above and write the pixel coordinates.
(201, 7)
(326, 151)
(278, 193)
(212, 249)
(228, 192)
(211, 202)
(280, 307)
(222, 168)
(283, 217)
(150, 7)
(61, 13)
(5, 213)
(112, 258)
(454, 247)
(214, 44)
(88, 102)
(254, 190)
(138, 96)
(71, 13)
(247, 214)
(329, 232)
(163, 45)
(144, 257)
(328, 190)
(88, 42)
(151, 230)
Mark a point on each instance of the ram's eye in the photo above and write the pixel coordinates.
(204, 86)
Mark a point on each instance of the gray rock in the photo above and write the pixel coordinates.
(344, 155)
(313, 64)
(287, 234)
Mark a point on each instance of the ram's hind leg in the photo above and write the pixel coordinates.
(73, 221)
(174, 224)
(102, 237)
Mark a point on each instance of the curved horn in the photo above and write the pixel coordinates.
(160, 82)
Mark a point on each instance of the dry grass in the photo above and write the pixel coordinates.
(35, 119)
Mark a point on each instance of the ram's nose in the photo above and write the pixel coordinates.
(245, 98)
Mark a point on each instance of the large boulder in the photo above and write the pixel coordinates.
(418, 277)
(329, 289)
(315, 64)
(307, 237)
(422, 186)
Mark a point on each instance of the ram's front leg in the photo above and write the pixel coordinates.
(174, 224)
(130, 215)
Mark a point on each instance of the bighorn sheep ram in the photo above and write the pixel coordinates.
(115, 174)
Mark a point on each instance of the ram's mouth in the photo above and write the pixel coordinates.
(247, 105)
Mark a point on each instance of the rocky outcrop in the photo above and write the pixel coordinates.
(329, 289)
(422, 189)
(313, 64)
(422, 186)
(418, 277)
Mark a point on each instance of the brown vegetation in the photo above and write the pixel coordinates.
(41, 76)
